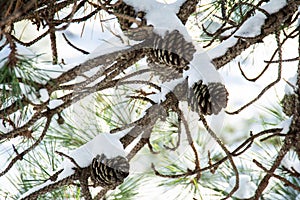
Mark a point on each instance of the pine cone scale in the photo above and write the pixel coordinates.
(208, 99)
(107, 172)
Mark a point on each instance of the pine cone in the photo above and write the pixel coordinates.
(125, 10)
(107, 172)
(208, 99)
(164, 72)
(173, 50)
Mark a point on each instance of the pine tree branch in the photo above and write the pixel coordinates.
(272, 23)
(265, 181)
(284, 180)
(35, 144)
(187, 9)
(154, 113)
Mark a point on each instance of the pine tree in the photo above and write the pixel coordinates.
(149, 114)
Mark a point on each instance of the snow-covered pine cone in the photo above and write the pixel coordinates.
(164, 72)
(172, 50)
(125, 13)
(125, 10)
(107, 172)
(208, 99)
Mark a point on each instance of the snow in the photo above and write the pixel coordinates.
(106, 143)
(201, 68)
(166, 87)
(163, 23)
(55, 103)
(156, 16)
(286, 125)
(274, 6)
(288, 88)
(54, 71)
(246, 187)
(222, 48)
(149, 5)
(251, 28)
(22, 51)
(44, 95)
(92, 71)
(290, 161)
(228, 32)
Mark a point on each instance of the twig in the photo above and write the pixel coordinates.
(292, 172)
(136, 148)
(238, 151)
(139, 82)
(191, 143)
(268, 62)
(69, 157)
(78, 49)
(271, 136)
(271, 23)
(85, 192)
(284, 180)
(284, 60)
(284, 149)
(179, 136)
(101, 193)
(268, 86)
(142, 98)
(139, 72)
(22, 154)
(229, 156)
(265, 181)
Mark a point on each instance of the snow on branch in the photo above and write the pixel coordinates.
(197, 80)
(267, 19)
(79, 161)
